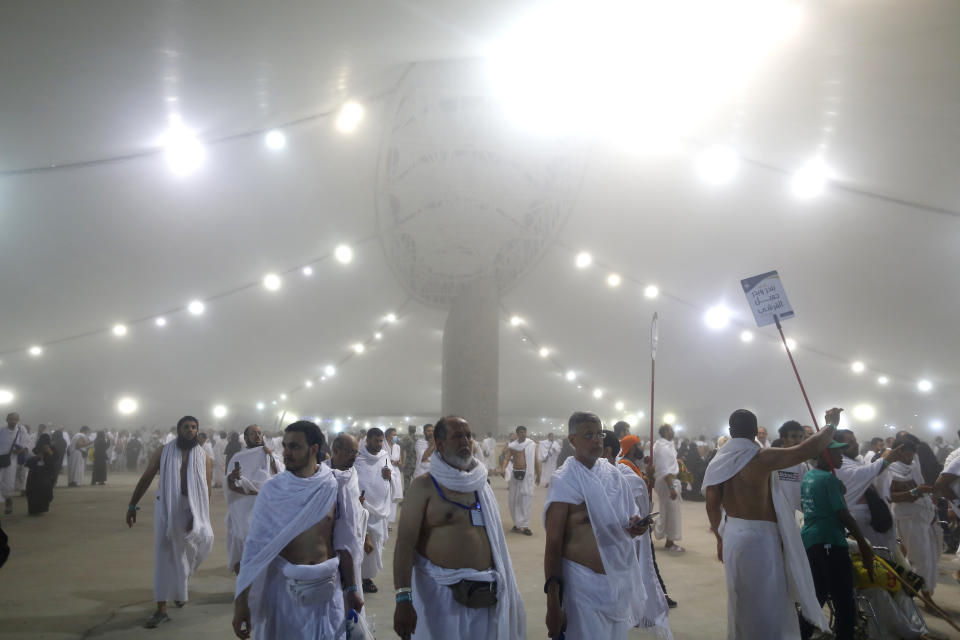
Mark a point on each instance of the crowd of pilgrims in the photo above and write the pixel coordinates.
(38, 458)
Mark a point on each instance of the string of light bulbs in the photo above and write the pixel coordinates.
(719, 317)
(571, 374)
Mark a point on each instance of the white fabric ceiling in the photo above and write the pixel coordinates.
(870, 266)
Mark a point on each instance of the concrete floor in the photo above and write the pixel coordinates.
(78, 572)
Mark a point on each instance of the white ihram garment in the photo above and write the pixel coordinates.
(350, 528)
(916, 524)
(291, 602)
(77, 459)
(396, 480)
(439, 616)
(601, 605)
(8, 475)
(765, 563)
(856, 478)
(655, 605)
(668, 525)
(548, 453)
(421, 446)
(521, 491)
(219, 461)
(255, 470)
(176, 552)
(490, 452)
(376, 501)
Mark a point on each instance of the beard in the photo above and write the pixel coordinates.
(463, 463)
(186, 444)
(254, 445)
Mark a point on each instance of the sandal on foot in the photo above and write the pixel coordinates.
(156, 620)
(179, 604)
(675, 548)
(526, 532)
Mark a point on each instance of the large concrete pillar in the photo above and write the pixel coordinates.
(471, 356)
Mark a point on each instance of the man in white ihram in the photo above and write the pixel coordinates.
(424, 448)
(489, 445)
(451, 568)
(252, 467)
(77, 457)
(182, 535)
(289, 586)
(520, 460)
(667, 487)
(548, 454)
(13, 440)
(762, 553)
(391, 443)
(373, 476)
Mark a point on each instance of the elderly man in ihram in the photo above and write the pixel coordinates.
(373, 476)
(252, 467)
(290, 578)
(451, 568)
(549, 451)
(594, 580)
(761, 550)
(182, 535)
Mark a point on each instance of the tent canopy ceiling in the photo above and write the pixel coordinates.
(869, 265)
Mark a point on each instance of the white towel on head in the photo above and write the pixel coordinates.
(511, 617)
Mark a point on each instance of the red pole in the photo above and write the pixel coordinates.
(797, 373)
(813, 417)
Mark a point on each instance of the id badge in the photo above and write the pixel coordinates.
(476, 518)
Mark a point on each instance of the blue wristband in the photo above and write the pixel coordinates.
(404, 597)
(350, 589)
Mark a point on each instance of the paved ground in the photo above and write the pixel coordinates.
(78, 572)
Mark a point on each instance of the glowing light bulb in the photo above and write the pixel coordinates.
(618, 406)
(924, 386)
(119, 330)
(669, 418)
(544, 352)
(717, 317)
(516, 321)
(571, 375)
(378, 336)
(343, 253)
(307, 271)
(791, 344)
(936, 425)
(275, 140)
(864, 412)
(260, 406)
(857, 367)
(598, 393)
(651, 291)
(283, 396)
(718, 165)
(182, 150)
(219, 411)
(584, 260)
(160, 322)
(883, 380)
(35, 351)
(329, 370)
(6, 396)
(308, 384)
(746, 336)
(351, 114)
(196, 308)
(272, 282)
(811, 179)
(359, 348)
(126, 406)
(391, 318)
(614, 280)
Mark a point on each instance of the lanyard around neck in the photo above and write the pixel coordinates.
(454, 502)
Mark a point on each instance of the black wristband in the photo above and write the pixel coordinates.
(559, 581)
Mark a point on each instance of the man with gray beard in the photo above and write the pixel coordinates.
(451, 569)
